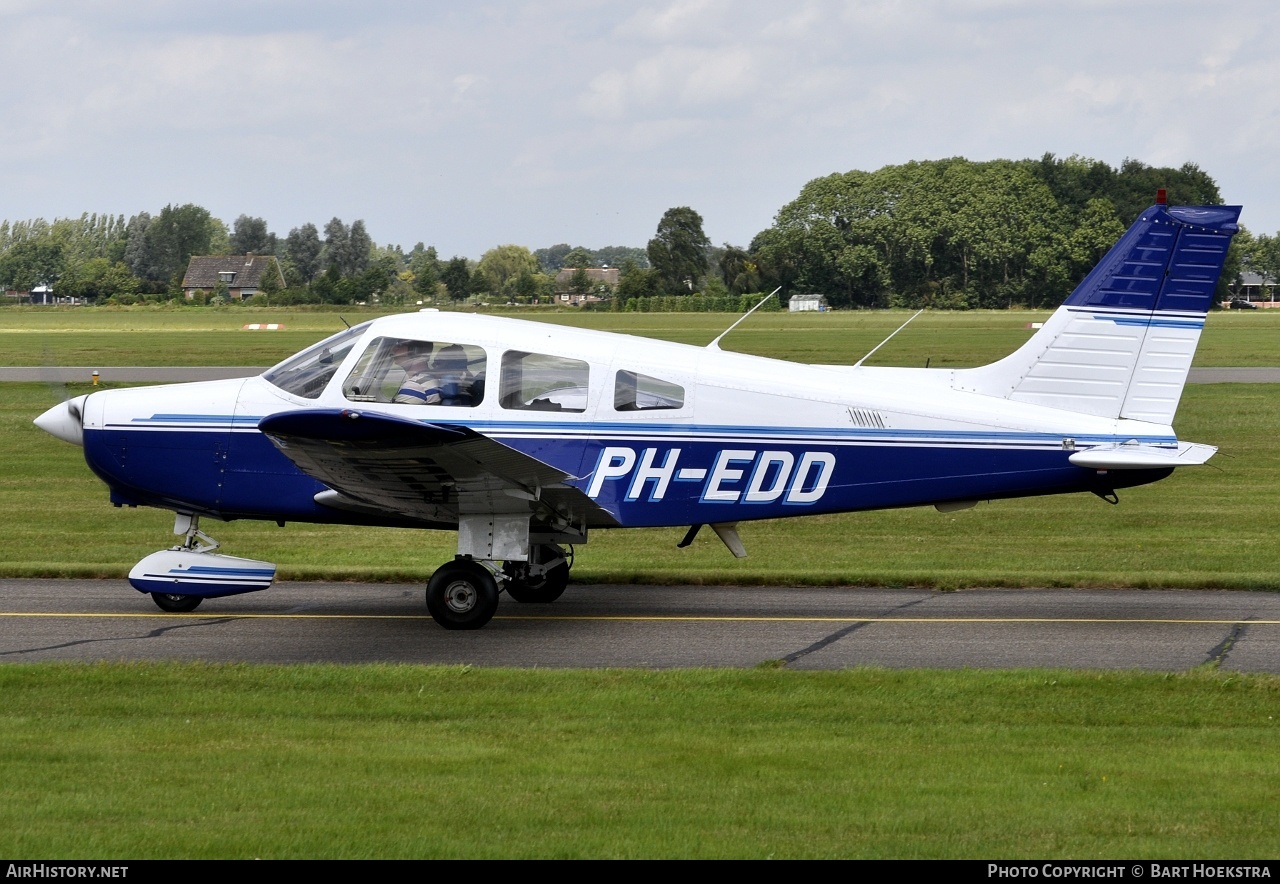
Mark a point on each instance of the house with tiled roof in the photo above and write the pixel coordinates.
(600, 279)
(243, 275)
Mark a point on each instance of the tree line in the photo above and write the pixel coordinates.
(108, 259)
(947, 233)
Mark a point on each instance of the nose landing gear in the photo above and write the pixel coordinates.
(180, 578)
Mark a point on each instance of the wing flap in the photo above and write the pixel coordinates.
(434, 472)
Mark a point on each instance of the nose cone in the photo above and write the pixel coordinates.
(65, 420)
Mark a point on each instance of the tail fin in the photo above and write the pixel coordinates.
(1121, 345)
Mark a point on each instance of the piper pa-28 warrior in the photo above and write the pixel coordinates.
(525, 437)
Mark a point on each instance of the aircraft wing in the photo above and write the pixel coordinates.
(378, 463)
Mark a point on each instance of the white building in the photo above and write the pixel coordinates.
(802, 303)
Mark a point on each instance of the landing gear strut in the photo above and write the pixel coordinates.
(193, 541)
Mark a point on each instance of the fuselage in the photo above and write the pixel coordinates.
(654, 432)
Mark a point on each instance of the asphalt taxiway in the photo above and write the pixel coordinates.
(596, 626)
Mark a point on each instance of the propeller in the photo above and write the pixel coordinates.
(65, 420)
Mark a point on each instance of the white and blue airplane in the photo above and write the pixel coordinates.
(526, 437)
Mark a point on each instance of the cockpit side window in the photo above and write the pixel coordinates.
(309, 372)
(539, 382)
(633, 391)
(405, 371)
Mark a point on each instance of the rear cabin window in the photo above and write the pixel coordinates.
(633, 391)
(411, 372)
(538, 382)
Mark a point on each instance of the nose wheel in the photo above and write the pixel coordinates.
(176, 604)
(462, 595)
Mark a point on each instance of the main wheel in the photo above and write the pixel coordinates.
(540, 590)
(462, 595)
(176, 604)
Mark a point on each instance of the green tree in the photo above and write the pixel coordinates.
(32, 262)
(160, 248)
(501, 269)
(551, 259)
(250, 235)
(635, 282)
(98, 279)
(303, 250)
(616, 256)
(580, 281)
(739, 270)
(360, 249)
(579, 257)
(424, 264)
(456, 277)
(678, 251)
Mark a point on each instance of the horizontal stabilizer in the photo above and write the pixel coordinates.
(1136, 456)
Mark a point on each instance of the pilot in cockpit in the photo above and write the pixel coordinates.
(420, 385)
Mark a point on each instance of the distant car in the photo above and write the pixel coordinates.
(1242, 304)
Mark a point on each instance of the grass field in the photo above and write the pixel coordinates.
(183, 760)
(179, 760)
(101, 337)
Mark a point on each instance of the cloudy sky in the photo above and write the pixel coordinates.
(468, 125)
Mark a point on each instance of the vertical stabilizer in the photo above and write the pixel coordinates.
(1121, 345)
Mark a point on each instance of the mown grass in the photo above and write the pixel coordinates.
(188, 760)
(101, 337)
(138, 761)
(1207, 526)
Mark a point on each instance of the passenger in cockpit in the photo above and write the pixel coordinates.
(455, 380)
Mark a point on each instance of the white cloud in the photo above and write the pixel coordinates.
(582, 121)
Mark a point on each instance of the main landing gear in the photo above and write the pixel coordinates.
(542, 579)
(463, 594)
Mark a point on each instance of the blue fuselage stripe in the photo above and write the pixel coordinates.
(642, 476)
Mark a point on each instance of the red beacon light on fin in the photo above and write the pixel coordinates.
(1162, 196)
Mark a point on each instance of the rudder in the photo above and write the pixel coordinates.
(1121, 345)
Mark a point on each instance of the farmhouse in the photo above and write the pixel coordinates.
(601, 281)
(242, 275)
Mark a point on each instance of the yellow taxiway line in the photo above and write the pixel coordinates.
(666, 618)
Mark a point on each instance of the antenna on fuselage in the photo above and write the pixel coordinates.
(886, 340)
(344, 320)
(715, 345)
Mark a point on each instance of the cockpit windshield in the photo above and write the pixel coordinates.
(308, 373)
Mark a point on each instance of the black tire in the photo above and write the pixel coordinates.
(544, 590)
(462, 595)
(176, 604)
